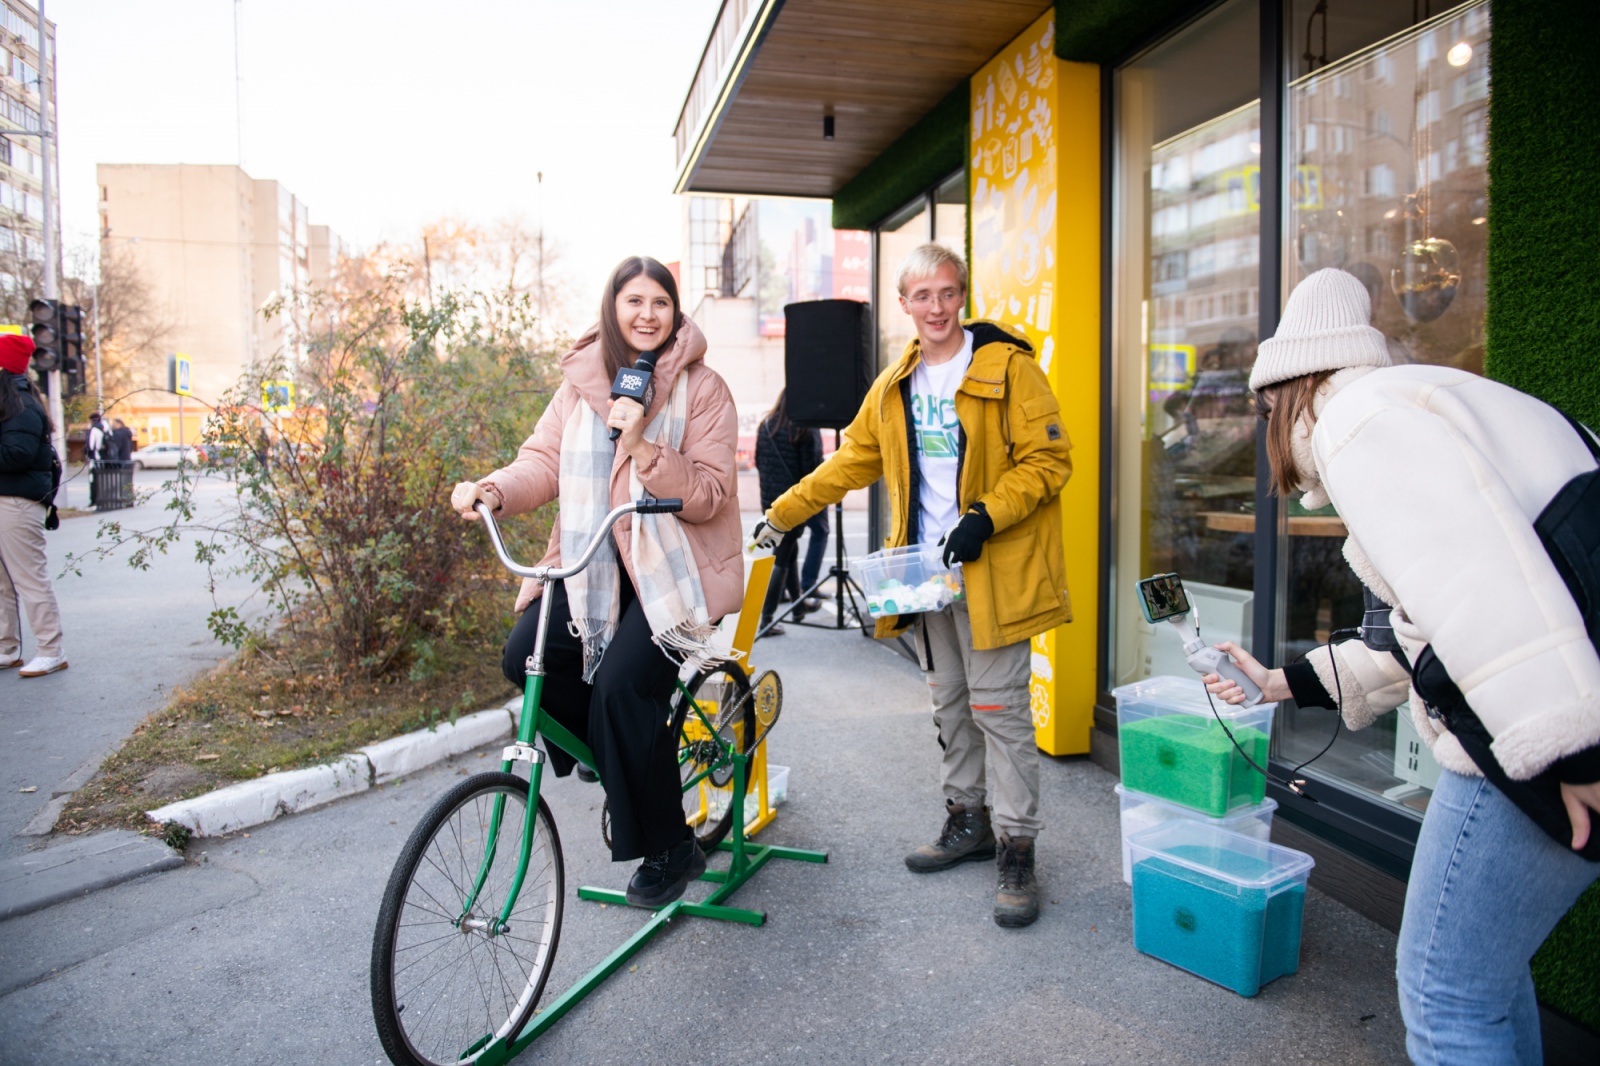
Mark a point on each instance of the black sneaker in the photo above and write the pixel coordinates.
(1016, 897)
(660, 879)
(586, 774)
(966, 837)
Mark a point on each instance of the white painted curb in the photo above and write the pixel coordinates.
(402, 755)
(250, 803)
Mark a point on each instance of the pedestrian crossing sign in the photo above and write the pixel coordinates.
(277, 397)
(179, 374)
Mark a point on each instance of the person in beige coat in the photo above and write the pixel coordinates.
(1440, 475)
(621, 627)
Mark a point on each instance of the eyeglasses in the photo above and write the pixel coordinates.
(922, 298)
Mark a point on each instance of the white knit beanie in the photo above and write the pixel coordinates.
(1325, 326)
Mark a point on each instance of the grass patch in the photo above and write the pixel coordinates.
(280, 704)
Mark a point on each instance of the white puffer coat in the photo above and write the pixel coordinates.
(1439, 475)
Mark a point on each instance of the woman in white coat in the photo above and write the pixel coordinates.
(1439, 475)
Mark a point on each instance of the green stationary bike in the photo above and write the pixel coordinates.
(471, 917)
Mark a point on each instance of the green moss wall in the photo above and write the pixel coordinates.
(1544, 204)
(1544, 300)
(1102, 31)
(929, 151)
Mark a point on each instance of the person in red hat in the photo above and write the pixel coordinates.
(27, 489)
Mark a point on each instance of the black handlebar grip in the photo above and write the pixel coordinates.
(649, 506)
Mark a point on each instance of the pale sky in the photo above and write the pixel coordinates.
(382, 115)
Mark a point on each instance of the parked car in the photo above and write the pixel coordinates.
(166, 456)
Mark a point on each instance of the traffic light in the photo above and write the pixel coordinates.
(69, 335)
(46, 343)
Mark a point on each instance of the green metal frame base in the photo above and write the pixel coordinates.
(747, 859)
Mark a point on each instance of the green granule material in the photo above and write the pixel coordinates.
(1190, 760)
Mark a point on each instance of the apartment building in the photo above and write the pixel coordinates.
(221, 252)
(21, 164)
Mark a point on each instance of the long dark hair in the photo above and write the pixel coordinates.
(15, 393)
(778, 422)
(614, 347)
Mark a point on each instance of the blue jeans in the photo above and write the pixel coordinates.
(1486, 888)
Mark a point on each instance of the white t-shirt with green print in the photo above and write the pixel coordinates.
(933, 419)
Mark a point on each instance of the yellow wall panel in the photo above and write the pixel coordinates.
(1035, 216)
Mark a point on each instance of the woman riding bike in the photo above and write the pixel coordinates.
(619, 632)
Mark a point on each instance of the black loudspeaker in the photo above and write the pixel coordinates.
(827, 361)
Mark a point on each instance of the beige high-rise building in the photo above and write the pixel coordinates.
(218, 250)
(21, 166)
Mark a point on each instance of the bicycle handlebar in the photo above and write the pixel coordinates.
(549, 573)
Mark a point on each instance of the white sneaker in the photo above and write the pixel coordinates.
(40, 665)
(10, 662)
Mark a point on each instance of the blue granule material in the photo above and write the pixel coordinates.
(1239, 937)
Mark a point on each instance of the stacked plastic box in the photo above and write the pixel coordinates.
(1210, 893)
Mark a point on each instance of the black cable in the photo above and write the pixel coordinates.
(1293, 782)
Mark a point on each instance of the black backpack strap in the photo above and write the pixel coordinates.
(1585, 432)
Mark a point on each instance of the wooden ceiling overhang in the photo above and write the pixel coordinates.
(773, 69)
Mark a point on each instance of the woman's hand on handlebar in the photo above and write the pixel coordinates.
(1271, 682)
(1583, 808)
(466, 494)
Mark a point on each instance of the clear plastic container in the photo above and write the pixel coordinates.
(1223, 906)
(1141, 812)
(1173, 746)
(909, 580)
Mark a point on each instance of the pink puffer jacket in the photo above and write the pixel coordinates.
(702, 473)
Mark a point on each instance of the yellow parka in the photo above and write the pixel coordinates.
(1014, 460)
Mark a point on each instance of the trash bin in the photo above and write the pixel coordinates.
(111, 485)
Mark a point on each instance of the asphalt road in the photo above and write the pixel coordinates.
(130, 636)
(256, 951)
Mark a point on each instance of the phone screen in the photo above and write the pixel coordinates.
(1162, 597)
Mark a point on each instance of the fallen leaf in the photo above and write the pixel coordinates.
(263, 713)
(207, 757)
(634, 968)
(30, 788)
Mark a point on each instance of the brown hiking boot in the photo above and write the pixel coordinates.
(966, 837)
(1016, 899)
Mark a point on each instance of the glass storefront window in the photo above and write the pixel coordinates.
(950, 214)
(1186, 291)
(897, 238)
(1387, 173)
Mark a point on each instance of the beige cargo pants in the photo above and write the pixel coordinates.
(980, 704)
(25, 580)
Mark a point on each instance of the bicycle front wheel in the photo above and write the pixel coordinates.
(447, 978)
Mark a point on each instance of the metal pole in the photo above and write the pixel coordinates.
(99, 390)
(52, 287)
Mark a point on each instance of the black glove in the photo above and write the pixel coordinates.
(964, 543)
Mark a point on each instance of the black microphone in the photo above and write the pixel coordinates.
(632, 382)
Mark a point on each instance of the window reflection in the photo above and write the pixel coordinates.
(1388, 152)
(1187, 297)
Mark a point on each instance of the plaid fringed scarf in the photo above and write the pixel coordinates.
(664, 565)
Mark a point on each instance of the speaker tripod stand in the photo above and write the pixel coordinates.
(844, 587)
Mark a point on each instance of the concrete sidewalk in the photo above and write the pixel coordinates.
(256, 950)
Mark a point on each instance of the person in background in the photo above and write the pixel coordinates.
(968, 436)
(98, 444)
(121, 441)
(785, 453)
(27, 489)
(620, 628)
(1439, 475)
